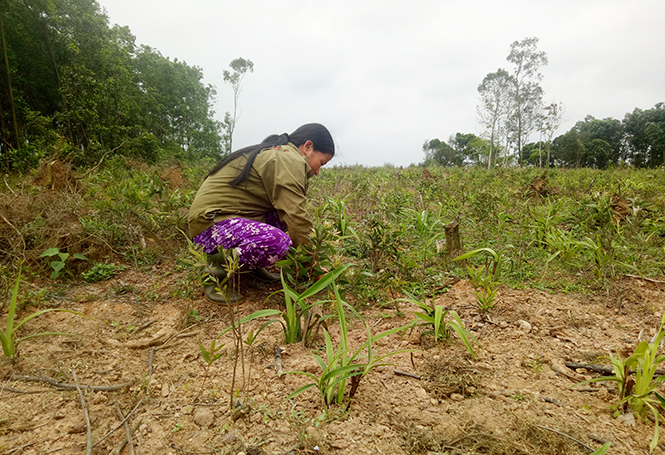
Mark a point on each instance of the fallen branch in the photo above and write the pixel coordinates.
(598, 439)
(600, 368)
(566, 436)
(121, 423)
(650, 280)
(408, 375)
(16, 449)
(176, 335)
(85, 414)
(20, 236)
(122, 445)
(552, 400)
(68, 386)
(173, 446)
(9, 389)
(128, 433)
(142, 326)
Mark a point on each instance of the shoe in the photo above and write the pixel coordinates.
(232, 296)
(264, 275)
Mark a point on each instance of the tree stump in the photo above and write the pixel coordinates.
(453, 242)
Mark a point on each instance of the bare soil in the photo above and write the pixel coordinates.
(512, 399)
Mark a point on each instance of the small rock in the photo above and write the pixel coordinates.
(165, 390)
(421, 393)
(503, 324)
(339, 444)
(230, 438)
(603, 393)
(80, 428)
(471, 390)
(524, 326)
(456, 397)
(627, 419)
(203, 417)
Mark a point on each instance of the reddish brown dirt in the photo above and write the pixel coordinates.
(518, 379)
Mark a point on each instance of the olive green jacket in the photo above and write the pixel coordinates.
(277, 181)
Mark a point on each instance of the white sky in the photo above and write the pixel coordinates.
(386, 75)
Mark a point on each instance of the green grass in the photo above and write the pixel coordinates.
(389, 223)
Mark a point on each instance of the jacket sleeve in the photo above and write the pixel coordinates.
(285, 181)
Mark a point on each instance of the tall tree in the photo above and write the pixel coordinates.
(240, 67)
(569, 150)
(440, 153)
(549, 123)
(608, 130)
(527, 93)
(75, 78)
(645, 136)
(494, 106)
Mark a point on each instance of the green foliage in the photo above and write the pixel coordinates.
(305, 264)
(640, 393)
(76, 79)
(211, 354)
(485, 278)
(101, 272)
(297, 319)
(435, 317)
(342, 364)
(8, 337)
(603, 450)
(295, 327)
(58, 265)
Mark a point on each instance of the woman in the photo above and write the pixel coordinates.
(253, 196)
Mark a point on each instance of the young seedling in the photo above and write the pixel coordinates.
(485, 279)
(59, 264)
(8, 337)
(342, 364)
(441, 329)
(640, 393)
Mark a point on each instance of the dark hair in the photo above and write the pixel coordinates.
(315, 132)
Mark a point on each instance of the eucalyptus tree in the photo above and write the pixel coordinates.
(549, 123)
(526, 92)
(240, 67)
(495, 102)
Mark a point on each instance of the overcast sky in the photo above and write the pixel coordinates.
(386, 75)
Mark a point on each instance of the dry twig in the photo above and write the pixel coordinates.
(128, 433)
(121, 423)
(85, 414)
(566, 436)
(122, 445)
(173, 446)
(408, 375)
(650, 280)
(66, 385)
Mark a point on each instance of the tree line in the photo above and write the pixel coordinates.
(511, 110)
(74, 86)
